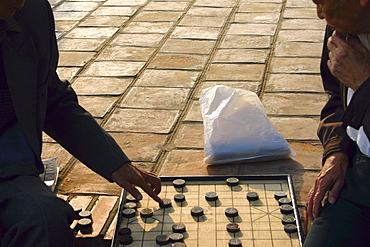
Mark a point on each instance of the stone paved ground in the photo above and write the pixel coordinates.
(139, 66)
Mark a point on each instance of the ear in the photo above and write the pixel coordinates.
(364, 3)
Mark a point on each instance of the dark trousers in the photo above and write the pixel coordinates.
(347, 222)
(31, 215)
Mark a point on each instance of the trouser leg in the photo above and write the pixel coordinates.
(31, 215)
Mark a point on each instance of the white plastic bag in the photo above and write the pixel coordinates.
(236, 128)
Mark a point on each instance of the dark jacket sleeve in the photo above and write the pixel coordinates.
(73, 127)
(331, 130)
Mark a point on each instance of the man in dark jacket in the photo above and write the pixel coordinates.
(33, 99)
(344, 220)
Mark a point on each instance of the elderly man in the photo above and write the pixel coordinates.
(33, 99)
(344, 218)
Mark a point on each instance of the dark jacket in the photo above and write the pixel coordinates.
(336, 116)
(43, 102)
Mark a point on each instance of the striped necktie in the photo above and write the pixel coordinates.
(2, 30)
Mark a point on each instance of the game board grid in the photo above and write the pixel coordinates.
(261, 224)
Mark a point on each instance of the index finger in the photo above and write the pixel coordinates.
(152, 193)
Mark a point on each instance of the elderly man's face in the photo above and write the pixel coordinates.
(344, 16)
(9, 7)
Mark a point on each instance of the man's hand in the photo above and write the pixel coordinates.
(330, 178)
(348, 60)
(128, 175)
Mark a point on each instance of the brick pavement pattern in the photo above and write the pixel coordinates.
(139, 66)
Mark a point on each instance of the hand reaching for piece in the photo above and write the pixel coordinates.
(128, 175)
(348, 60)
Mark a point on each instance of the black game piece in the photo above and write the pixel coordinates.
(232, 181)
(290, 228)
(286, 209)
(280, 194)
(179, 183)
(132, 205)
(130, 198)
(124, 231)
(77, 209)
(178, 244)
(85, 225)
(129, 213)
(235, 242)
(232, 227)
(166, 203)
(85, 214)
(162, 239)
(178, 228)
(252, 196)
(197, 211)
(146, 213)
(179, 197)
(125, 239)
(285, 200)
(176, 237)
(231, 212)
(288, 219)
(211, 196)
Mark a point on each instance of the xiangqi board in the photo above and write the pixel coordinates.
(212, 211)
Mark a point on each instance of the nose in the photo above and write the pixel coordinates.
(320, 13)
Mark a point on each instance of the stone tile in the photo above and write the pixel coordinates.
(235, 72)
(303, 24)
(156, 98)
(64, 26)
(66, 44)
(100, 85)
(74, 58)
(203, 21)
(241, 56)
(146, 40)
(69, 16)
(246, 41)
(67, 73)
(252, 29)
(126, 53)
(167, 5)
(209, 11)
(254, 17)
(295, 65)
(104, 21)
(83, 180)
(196, 33)
(298, 49)
(114, 10)
(178, 61)
(188, 46)
(147, 27)
(98, 106)
(300, 3)
(113, 68)
(158, 16)
(168, 78)
(308, 154)
(190, 162)
(140, 147)
(137, 120)
(296, 128)
(260, 7)
(194, 113)
(92, 32)
(296, 13)
(54, 150)
(77, 6)
(215, 3)
(301, 36)
(294, 103)
(289, 82)
(190, 135)
(246, 85)
(124, 2)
